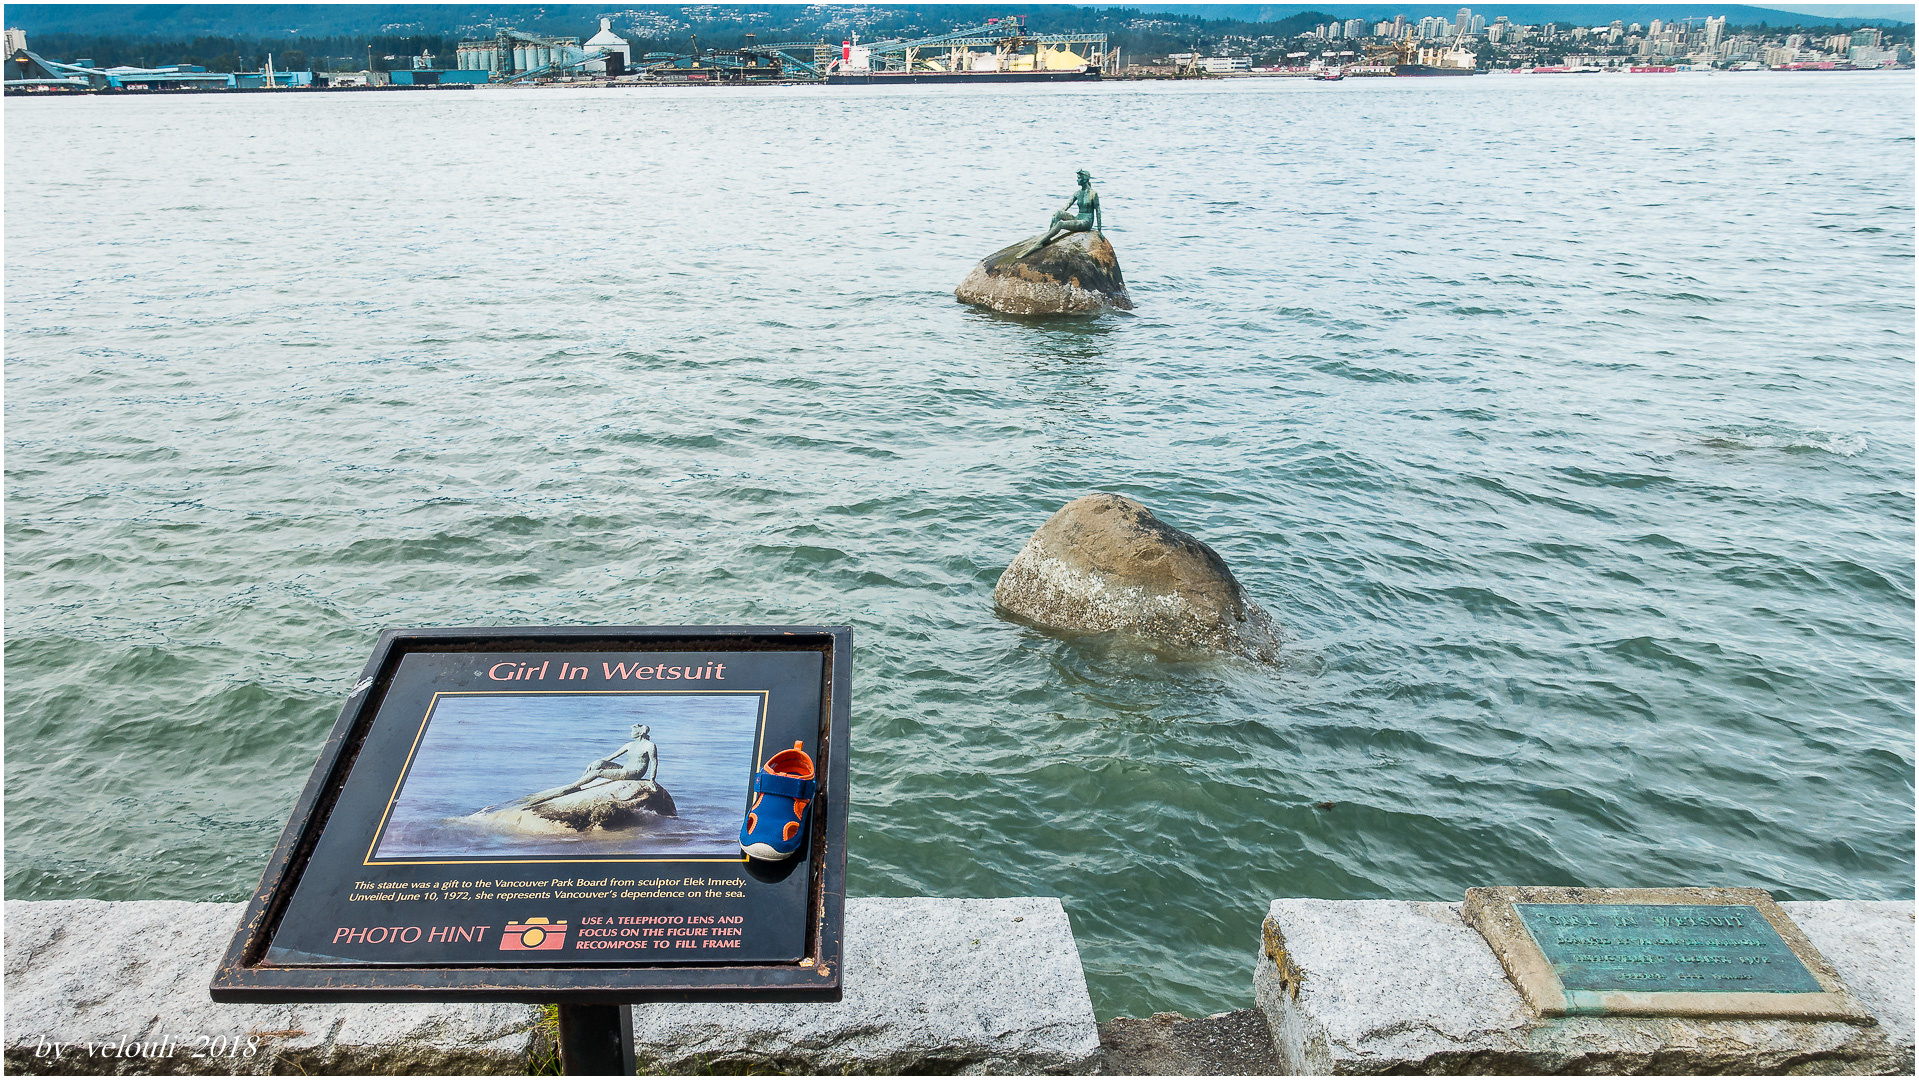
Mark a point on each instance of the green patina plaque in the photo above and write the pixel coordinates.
(1665, 948)
(1675, 951)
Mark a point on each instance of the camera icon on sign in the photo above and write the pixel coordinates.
(533, 935)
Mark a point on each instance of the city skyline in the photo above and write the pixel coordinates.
(1500, 38)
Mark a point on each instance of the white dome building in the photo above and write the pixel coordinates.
(606, 41)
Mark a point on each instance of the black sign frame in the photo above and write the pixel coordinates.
(242, 977)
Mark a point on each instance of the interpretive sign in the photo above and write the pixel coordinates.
(1657, 952)
(556, 815)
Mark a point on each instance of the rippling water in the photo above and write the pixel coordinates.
(1567, 425)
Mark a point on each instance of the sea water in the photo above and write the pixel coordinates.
(1566, 426)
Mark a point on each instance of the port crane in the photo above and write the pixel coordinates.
(1393, 53)
(819, 55)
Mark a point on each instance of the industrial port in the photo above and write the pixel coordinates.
(995, 50)
(999, 50)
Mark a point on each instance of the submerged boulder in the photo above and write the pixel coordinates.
(1105, 564)
(1075, 275)
(618, 805)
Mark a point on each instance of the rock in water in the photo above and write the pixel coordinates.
(1075, 275)
(617, 805)
(1105, 564)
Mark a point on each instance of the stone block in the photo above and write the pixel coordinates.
(99, 987)
(1394, 986)
(1871, 943)
(958, 986)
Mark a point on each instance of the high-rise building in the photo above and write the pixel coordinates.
(1715, 29)
(1355, 29)
(1334, 30)
(1479, 24)
(1655, 28)
(1866, 35)
(1464, 20)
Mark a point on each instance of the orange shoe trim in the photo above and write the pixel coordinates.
(794, 763)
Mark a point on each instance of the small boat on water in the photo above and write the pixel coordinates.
(1328, 75)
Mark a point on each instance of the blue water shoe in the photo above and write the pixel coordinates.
(776, 820)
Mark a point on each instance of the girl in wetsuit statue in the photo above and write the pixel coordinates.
(642, 762)
(1080, 214)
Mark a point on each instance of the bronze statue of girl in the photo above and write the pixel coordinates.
(1080, 214)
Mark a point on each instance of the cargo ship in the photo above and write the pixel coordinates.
(1409, 58)
(1453, 61)
(1432, 69)
(836, 77)
(999, 51)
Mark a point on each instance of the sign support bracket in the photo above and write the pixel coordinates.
(596, 1040)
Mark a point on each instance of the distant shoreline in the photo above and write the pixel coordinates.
(675, 84)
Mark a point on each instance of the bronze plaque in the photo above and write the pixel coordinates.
(1657, 952)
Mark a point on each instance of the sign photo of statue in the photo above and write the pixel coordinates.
(519, 775)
